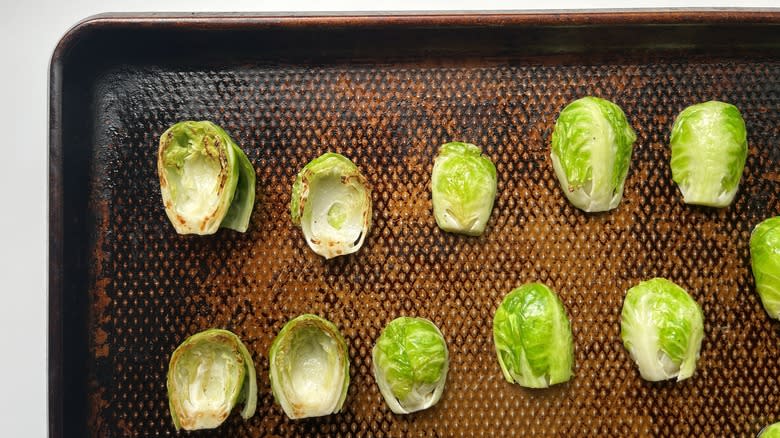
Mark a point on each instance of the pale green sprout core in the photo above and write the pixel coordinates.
(206, 180)
(662, 328)
(337, 215)
(463, 184)
(208, 374)
(331, 202)
(410, 362)
(533, 338)
(765, 260)
(591, 151)
(771, 431)
(709, 149)
(309, 367)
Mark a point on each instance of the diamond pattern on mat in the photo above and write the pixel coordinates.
(158, 287)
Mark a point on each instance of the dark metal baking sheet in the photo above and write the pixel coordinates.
(387, 90)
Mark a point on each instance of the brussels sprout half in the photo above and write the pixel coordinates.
(309, 367)
(765, 260)
(662, 328)
(410, 362)
(709, 149)
(771, 431)
(591, 151)
(208, 374)
(331, 202)
(463, 185)
(206, 180)
(533, 337)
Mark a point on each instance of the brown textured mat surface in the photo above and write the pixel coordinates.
(150, 288)
(159, 287)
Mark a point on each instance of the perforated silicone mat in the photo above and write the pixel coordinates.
(150, 288)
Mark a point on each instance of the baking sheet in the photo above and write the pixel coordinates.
(386, 92)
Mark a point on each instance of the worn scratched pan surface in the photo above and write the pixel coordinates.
(386, 91)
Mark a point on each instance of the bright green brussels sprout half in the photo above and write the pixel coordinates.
(662, 328)
(709, 149)
(206, 180)
(331, 202)
(209, 373)
(765, 259)
(463, 186)
(533, 337)
(591, 151)
(309, 367)
(771, 431)
(410, 364)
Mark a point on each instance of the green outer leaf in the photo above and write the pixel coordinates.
(249, 391)
(204, 147)
(709, 149)
(533, 338)
(765, 261)
(771, 431)
(662, 328)
(410, 363)
(337, 241)
(246, 382)
(237, 217)
(280, 364)
(463, 185)
(591, 152)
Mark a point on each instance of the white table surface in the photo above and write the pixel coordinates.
(30, 30)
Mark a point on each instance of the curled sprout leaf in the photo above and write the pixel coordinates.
(533, 338)
(309, 367)
(410, 362)
(771, 431)
(206, 180)
(765, 260)
(208, 374)
(331, 202)
(662, 328)
(709, 149)
(463, 184)
(591, 151)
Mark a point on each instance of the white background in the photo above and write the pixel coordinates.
(30, 30)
